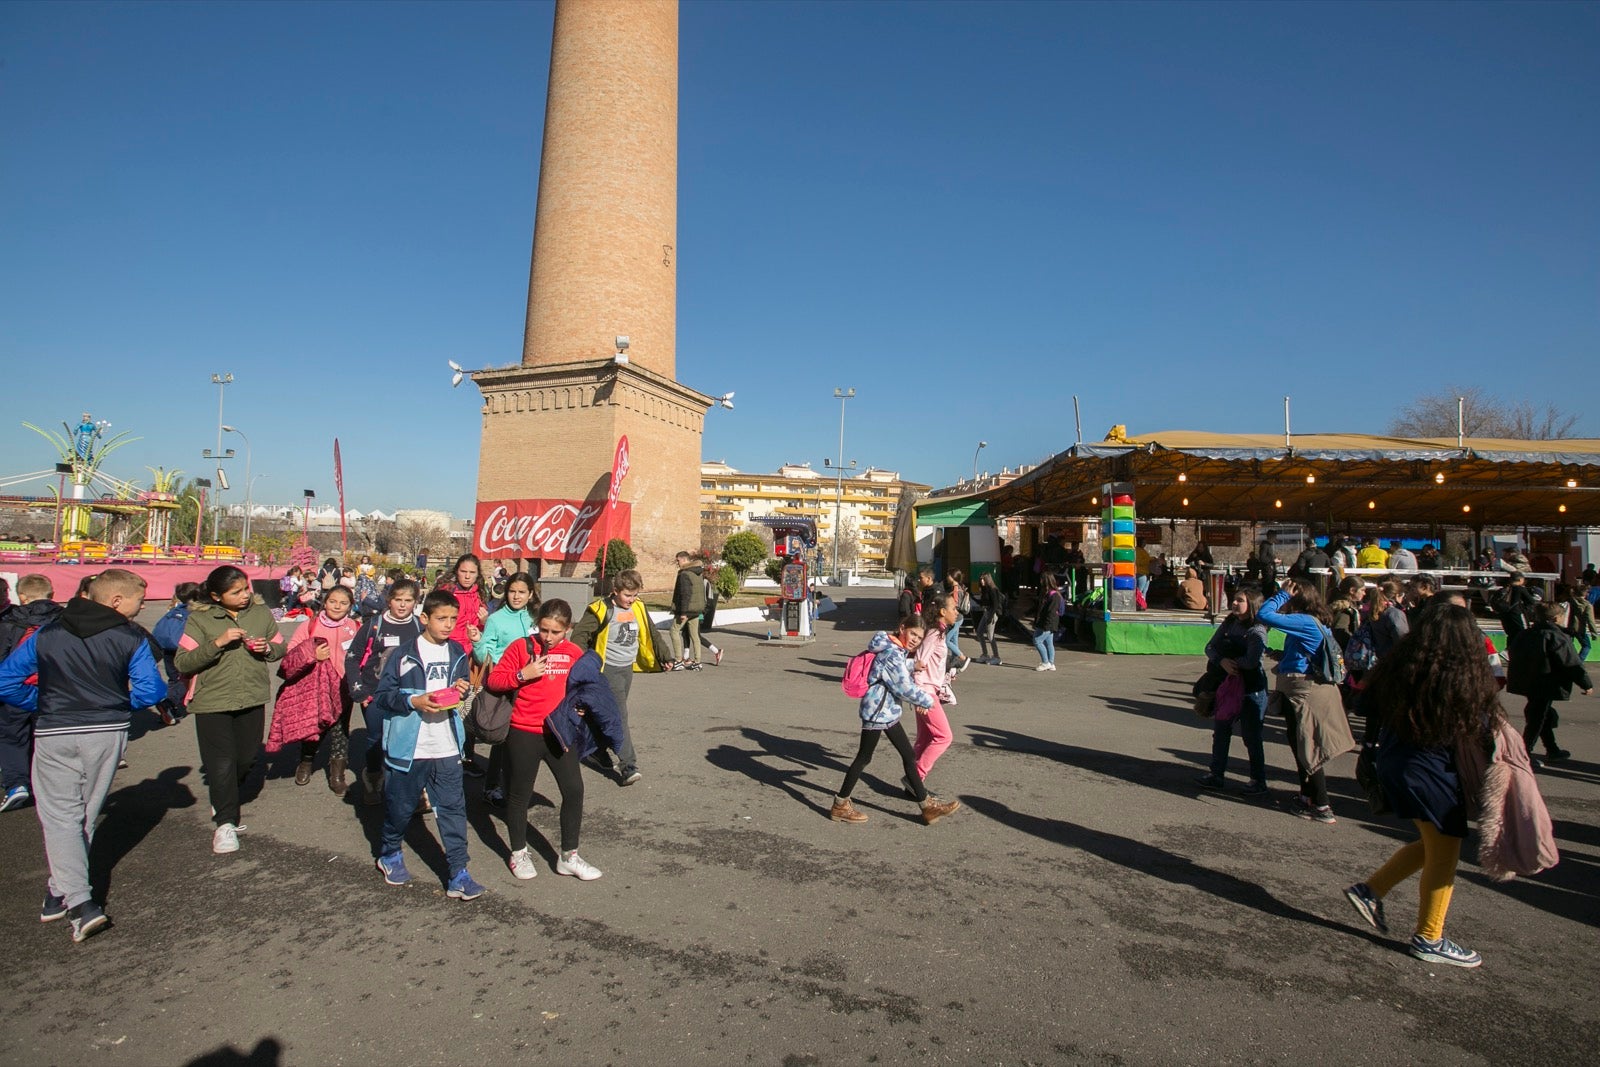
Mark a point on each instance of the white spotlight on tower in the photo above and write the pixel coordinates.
(460, 372)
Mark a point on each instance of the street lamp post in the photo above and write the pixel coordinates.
(221, 381)
(981, 446)
(249, 495)
(841, 395)
(244, 536)
(306, 531)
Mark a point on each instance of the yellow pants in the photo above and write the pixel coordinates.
(1435, 855)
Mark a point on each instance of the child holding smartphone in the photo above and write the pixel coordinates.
(418, 693)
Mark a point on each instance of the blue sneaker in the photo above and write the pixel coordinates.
(88, 919)
(53, 908)
(1443, 950)
(1368, 905)
(462, 887)
(394, 870)
(15, 797)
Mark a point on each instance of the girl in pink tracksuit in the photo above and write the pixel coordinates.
(931, 674)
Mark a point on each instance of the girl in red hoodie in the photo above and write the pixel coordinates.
(536, 669)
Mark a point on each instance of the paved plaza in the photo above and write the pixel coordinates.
(1088, 904)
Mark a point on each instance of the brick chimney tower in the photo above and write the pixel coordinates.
(604, 268)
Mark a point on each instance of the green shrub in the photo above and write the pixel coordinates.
(775, 569)
(743, 550)
(619, 558)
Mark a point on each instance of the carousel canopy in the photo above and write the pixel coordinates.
(1323, 479)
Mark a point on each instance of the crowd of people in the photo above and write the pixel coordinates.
(433, 675)
(547, 684)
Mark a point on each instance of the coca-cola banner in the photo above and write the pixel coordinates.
(547, 529)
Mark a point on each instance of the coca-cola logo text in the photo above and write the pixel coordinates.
(545, 529)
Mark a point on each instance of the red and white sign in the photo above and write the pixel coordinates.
(545, 529)
(619, 469)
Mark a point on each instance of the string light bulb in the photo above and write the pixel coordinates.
(1562, 509)
(1183, 476)
(1311, 479)
(1572, 483)
(1371, 504)
(1466, 507)
(1439, 478)
(1185, 501)
(1277, 503)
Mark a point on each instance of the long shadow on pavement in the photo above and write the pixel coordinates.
(130, 814)
(1570, 889)
(1154, 862)
(760, 764)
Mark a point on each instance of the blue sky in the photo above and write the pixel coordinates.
(967, 212)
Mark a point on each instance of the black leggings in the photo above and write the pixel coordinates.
(902, 744)
(524, 752)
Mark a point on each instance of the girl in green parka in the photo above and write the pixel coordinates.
(226, 651)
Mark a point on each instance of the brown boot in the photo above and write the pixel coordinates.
(934, 809)
(844, 811)
(336, 780)
(302, 773)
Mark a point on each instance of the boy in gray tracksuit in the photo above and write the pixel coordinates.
(81, 676)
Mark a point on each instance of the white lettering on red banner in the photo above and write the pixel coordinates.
(546, 529)
(619, 469)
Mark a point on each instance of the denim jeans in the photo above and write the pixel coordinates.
(442, 779)
(1044, 642)
(952, 642)
(987, 645)
(1584, 644)
(1251, 719)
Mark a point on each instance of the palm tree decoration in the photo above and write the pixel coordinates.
(84, 451)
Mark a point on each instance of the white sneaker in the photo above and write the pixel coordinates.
(522, 864)
(575, 865)
(1042, 667)
(1052, 666)
(226, 839)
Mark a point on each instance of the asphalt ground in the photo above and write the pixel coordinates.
(1088, 904)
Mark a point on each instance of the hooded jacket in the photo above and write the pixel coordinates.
(888, 683)
(689, 591)
(1544, 664)
(94, 668)
(19, 620)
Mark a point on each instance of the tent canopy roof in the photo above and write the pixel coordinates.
(1324, 479)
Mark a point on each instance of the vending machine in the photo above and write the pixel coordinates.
(792, 541)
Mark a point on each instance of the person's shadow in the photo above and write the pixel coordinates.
(267, 1053)
(130, 814)
(783, 762)
(1154, 862)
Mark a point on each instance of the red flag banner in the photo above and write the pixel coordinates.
(338, 483)
(545, 529)
(619, 469)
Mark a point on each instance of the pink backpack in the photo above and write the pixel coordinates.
(857, 673)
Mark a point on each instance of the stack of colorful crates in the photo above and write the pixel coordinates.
(1117, 520)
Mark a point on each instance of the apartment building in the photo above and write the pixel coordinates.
(730, 500)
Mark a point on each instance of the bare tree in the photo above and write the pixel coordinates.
(1481, 415)
(419, 536)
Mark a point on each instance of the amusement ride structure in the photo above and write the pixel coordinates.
(138, 523)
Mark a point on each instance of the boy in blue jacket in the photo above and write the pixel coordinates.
(94, 666)
(423, 739)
